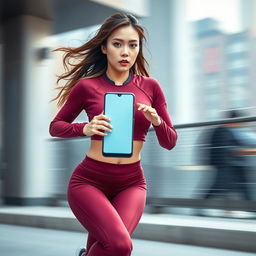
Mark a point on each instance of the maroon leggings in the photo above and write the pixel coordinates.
(108, 200)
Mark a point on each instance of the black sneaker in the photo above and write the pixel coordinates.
(80, 251)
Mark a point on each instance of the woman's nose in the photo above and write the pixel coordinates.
(125, 51)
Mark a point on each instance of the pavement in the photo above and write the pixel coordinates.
(215, 232)
(30, 241)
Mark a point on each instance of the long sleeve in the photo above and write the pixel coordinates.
(61, 125)
(165, 132)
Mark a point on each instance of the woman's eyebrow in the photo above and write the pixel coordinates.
(121, 40)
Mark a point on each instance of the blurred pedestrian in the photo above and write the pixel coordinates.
(229, 143)
(108, 194)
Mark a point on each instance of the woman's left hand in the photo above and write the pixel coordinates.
(150, 113)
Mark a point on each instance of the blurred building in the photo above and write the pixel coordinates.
(224, 76)
(209, 68)
(238, 63)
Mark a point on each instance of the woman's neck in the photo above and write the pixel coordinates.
(118, 78)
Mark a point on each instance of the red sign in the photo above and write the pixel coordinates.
(212, 60)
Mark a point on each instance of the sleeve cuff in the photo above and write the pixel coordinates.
(157, 126)
(80, 129)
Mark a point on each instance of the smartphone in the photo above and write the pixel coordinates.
(119, 107)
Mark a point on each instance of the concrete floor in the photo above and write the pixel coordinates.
(28, 241)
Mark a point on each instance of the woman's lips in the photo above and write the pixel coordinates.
(124, 62)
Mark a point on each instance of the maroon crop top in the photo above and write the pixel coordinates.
(88, 95)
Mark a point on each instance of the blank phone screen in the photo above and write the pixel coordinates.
(119, 107)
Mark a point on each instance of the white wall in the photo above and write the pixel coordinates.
(137, 7)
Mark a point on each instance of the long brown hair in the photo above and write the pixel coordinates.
(93, 62)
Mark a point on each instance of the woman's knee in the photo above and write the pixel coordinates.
(121, 246)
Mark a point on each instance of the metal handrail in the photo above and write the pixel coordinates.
(188, 125)
(216, 122)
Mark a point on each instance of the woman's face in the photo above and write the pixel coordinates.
(122, 49)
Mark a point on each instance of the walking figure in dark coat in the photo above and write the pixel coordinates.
(229, 144)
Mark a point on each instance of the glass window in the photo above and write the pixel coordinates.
(237, 80)
(237, 47)
(237, 64)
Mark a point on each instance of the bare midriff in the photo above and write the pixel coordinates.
(95, 152)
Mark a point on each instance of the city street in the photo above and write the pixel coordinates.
(27, 241)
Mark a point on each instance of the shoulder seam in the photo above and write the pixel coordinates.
(137, 85)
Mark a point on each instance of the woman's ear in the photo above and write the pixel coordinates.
(103, 49)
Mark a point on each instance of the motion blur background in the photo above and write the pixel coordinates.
(202, 52)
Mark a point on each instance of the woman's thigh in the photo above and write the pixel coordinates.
(97, 214)
(130, 204)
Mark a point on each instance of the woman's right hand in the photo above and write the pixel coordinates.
(98, 123)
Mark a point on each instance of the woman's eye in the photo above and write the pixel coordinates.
(117, 44)
(133, 45)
